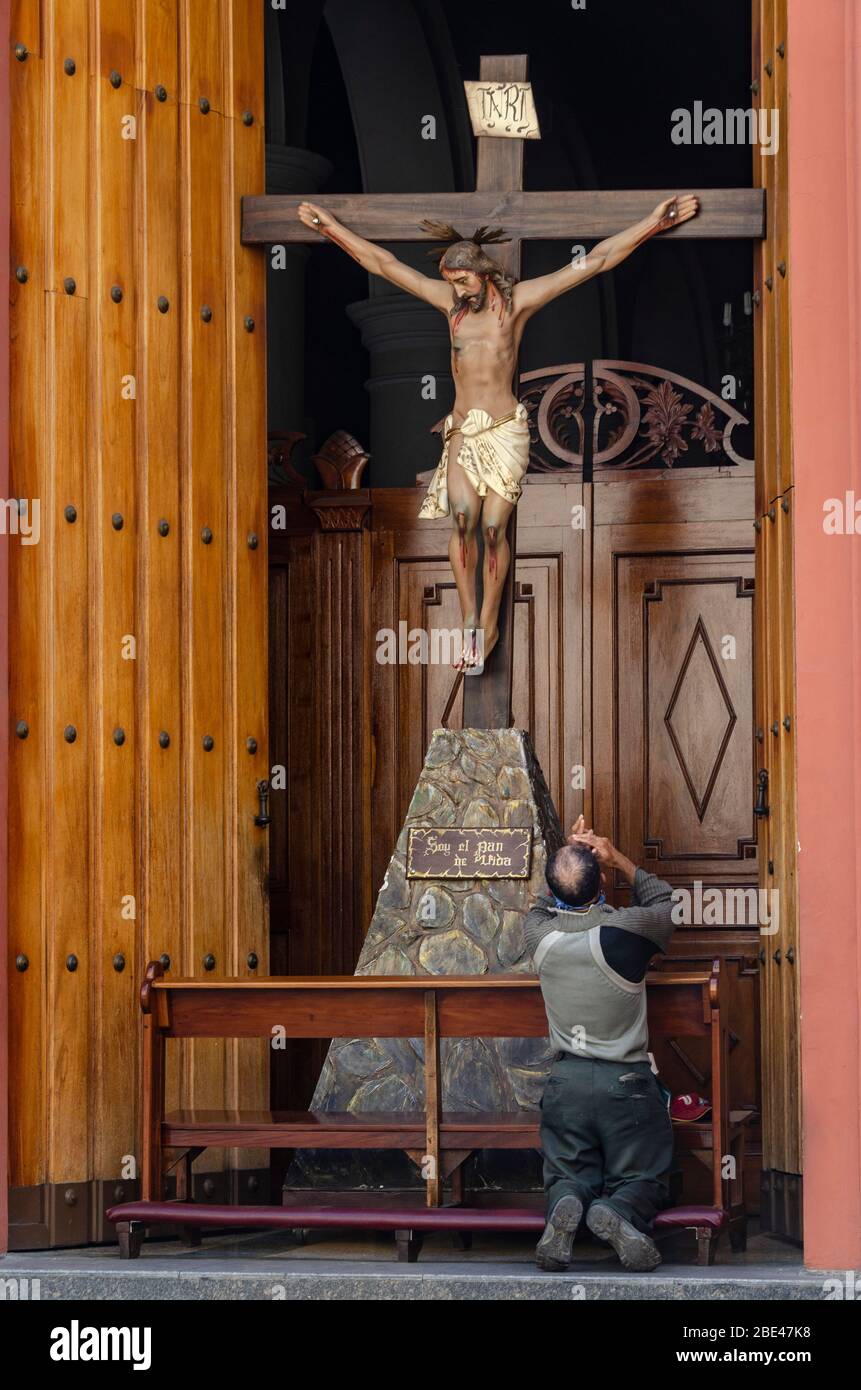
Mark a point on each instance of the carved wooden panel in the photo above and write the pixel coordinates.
(320, 659)
(697, 808)
(672, 749)
(642, 417)
(138, 376)
(673, 738)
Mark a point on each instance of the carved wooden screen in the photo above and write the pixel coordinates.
(139, 685)
(607, 417)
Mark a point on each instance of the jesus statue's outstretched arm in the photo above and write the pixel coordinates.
(376, 259)
(531, 295)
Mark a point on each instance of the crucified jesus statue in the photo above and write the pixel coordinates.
(486, 442)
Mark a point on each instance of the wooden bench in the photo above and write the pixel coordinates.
(432, 1007)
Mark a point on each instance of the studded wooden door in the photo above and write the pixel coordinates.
(138, 621)
(775, 646)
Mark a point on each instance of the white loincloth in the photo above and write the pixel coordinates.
(494, 454)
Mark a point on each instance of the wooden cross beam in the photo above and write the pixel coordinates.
(725, 213)
(499, 200)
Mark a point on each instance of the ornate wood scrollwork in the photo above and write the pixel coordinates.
(282, 473)
(639, 417)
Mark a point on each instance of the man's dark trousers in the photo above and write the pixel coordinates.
(605, 1132)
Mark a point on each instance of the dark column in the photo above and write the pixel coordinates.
(391, 76)
(408, 347)
(289, 170)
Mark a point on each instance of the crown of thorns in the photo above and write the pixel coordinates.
(482, 236)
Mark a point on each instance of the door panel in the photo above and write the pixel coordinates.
(672, 680)
(683, 794)
(783, 1157)
(673, 762)
(140, 618)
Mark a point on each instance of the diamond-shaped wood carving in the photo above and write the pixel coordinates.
(700, 718)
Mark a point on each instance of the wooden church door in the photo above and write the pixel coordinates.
(775, 648)
(138, 691)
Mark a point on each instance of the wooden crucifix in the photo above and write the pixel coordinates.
(498, 199)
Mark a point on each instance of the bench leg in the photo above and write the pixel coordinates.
(707, 1240)
(409, 1244)
(462, 1240)
(738, 1233)
(130, 1235)
(457, 1186)
(192, 1236)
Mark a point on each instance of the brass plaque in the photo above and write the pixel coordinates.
(503, 109)
(459, 853)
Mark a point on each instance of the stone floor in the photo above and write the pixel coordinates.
(364, 1266)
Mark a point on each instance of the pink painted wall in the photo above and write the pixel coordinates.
(824, 55)
(4, 288)
(4, 614)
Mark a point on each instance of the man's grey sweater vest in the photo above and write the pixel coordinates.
(592, 1011)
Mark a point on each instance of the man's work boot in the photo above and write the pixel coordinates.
(553, 1250)
(635, 1250)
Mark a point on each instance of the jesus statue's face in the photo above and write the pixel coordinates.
(465, 282)
(469, 289)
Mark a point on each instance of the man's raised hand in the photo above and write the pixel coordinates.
(602, 848)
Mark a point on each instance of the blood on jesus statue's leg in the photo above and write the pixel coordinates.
(495, 513)
(465, 505)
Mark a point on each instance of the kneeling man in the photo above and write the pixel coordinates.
(605, 1128)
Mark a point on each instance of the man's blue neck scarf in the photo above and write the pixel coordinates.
(566, 907)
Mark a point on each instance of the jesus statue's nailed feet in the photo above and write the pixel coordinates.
(471, 659)
(478, 643)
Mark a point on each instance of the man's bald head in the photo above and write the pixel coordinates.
(574, 875)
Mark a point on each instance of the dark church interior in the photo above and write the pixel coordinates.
(606, 79)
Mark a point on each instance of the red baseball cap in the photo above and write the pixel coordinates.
(689, 1107)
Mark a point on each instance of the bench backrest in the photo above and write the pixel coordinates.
(393, 1006)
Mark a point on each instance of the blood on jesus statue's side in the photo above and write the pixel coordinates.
(486, 442)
